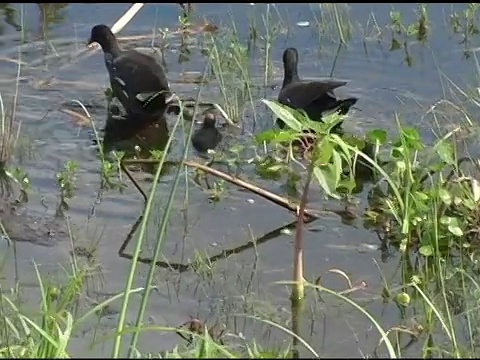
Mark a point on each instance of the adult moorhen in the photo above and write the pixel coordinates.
(315, 97)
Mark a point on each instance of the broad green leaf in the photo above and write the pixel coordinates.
(275, 135)
(286, 114)
(318, 126)
(397, 152)
(403, 299)
(421, 196)
(412, 138)
(454, 227)
(333, 120)
(475, 190)
(324, 178)
(445, 220)
(435, 168)
(445, 196)
(324, 151)
(452, 224)
(337, 167)
(343, 145)
(378, 135)
(426, 250)
(446, 152)
(350, 184)
(470, 204)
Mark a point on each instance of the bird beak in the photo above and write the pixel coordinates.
(91, 44)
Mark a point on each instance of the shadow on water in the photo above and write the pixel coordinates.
(224, 254)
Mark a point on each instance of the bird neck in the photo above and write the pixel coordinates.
(208, 125)
(112, 48)
(290, 75)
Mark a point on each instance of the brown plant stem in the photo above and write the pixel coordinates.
(277, 199)
(298, 289)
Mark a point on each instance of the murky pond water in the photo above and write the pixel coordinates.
(244, 282)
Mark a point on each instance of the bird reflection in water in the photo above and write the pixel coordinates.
(137, 136)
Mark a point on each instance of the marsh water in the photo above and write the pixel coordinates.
(243, 283)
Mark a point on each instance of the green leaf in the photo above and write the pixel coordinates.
(343, 145)
(445, 196)
(332, 120)
(421, 196)
(445, 220)
(412, 138)
(446, 152)
(324, 178)
(475, 190)
(426, 250)
(275, 135)
(454, 227)
(398, 152)
(403, 299)
(325, 150)
(286, 114)
(452, 224)
(337, 167)
(378, 135)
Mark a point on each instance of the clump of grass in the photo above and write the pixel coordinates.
(233, 64)
(9, 143)
(66, 182)
(230, 64)
(9, 135)
(333, 22)
(45, 336)
(465, 23)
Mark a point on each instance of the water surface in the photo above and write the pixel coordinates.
(384, 83)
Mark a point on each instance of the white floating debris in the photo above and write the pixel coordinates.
(251, 4)
(251, 201)
(303, 23)
(368, 247)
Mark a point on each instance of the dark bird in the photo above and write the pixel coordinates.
(137, 80)
(315, 97)
(208, 136)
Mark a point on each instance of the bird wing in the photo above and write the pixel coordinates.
(139, 76)
(300, 94)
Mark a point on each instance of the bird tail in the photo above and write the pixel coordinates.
(343, 106)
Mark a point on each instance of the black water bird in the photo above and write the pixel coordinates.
(315, 97)
(137, 80)
(208, 136)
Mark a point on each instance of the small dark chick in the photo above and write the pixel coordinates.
(208, 136)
